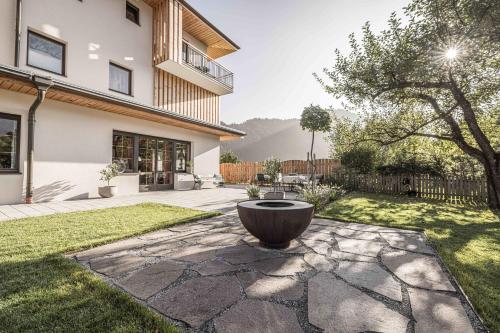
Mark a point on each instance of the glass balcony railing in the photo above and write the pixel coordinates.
(202, 63)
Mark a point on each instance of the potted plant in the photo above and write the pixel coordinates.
(108, 173)
(272, 168)
(253, 192)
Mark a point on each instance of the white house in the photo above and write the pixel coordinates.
(84, 83)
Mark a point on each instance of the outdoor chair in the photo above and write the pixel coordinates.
(260, 178)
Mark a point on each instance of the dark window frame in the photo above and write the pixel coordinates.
(63, 60)
(137, 13)
(111, 63)
(17, 118)
(136, 147)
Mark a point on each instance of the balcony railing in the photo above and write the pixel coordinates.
(202, 63)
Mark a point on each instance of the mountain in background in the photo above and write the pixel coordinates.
(281, 138)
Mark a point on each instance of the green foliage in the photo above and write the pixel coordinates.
(467, 239)
(272, 168)
(363, 158)
(253, 191)
(228, 157)
(315, 119)
(109, 172)
(42, 291)
(320, 196)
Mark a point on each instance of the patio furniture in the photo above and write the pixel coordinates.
(262, 179)
(184, 181)
(275, 222)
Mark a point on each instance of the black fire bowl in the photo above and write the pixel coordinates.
(275, 222)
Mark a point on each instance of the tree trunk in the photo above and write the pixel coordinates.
(492, 172)
(313, 171)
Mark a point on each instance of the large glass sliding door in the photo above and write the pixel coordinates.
(155, 159)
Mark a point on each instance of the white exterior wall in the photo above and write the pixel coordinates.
(95, 32)
(73, 143)
(7, 31)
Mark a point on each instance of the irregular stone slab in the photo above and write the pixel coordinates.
(321, 228)
(370, 276)
(417, 270)
(214, 267)
(327, 223)
(363, 235)
(350, 256)
(318, 262)
(190, 227)
(242, 254)
(114, 266)
(163, 248)
(220, 239)
(335, 306)
(295, 246)
(280, 266)
(410, 242)
(327, 250)
(251, 316)
(258, 285)
(194, 253)
(374, 228)
(237, 229)
(158, 235)
(317, 236)
(109, 249)
(357, 246)
(198, 300)
(151, 279)
(436, 312)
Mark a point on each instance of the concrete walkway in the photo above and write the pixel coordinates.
(221, 199)
(212, 276)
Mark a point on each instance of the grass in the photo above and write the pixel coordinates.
(467, 239)
(42, 291)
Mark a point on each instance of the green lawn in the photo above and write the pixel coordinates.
(41, 291)
(467, 238)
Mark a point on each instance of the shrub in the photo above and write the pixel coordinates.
(109, 172)
(272, 168)
(253, 191)
(321, 196)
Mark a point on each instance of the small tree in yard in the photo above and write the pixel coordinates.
(314, 119)
(228, 157)
(272, 168)
(437, 76)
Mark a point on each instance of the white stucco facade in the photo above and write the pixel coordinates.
(74, 143)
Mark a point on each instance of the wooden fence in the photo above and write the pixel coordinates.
(244, 172)
(451, 188)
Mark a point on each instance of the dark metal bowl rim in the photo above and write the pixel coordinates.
(252, 204)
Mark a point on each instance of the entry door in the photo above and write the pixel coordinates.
(146, 162)
(155, 164)
(164, 175)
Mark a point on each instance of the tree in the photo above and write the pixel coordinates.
(314, 119)
(272, 168)
(228, 157)
(437, 77)
(361, 158)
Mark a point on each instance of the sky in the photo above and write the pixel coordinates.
(283, 42)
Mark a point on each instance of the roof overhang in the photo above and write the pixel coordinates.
(20, 81)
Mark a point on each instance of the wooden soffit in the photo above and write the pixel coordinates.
(81, 99)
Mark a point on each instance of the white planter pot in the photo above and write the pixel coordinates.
(107, 191)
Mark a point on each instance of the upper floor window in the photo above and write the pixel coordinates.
(120, 79)
(10, 126)
(132, 13)
(46, 53)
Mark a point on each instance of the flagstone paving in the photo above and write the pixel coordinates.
(212, 276)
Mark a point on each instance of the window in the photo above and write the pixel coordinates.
(123, 151)
(182, 155)
(10, 128)
(120, 79)
(132, 13)
(46, 54)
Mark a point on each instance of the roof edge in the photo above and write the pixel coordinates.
(73, 88)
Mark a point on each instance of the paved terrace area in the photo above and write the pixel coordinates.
(212, 276)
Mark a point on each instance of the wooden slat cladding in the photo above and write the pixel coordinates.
(177, 95)
(167, 31)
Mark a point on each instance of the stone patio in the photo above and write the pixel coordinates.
(212, 276)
